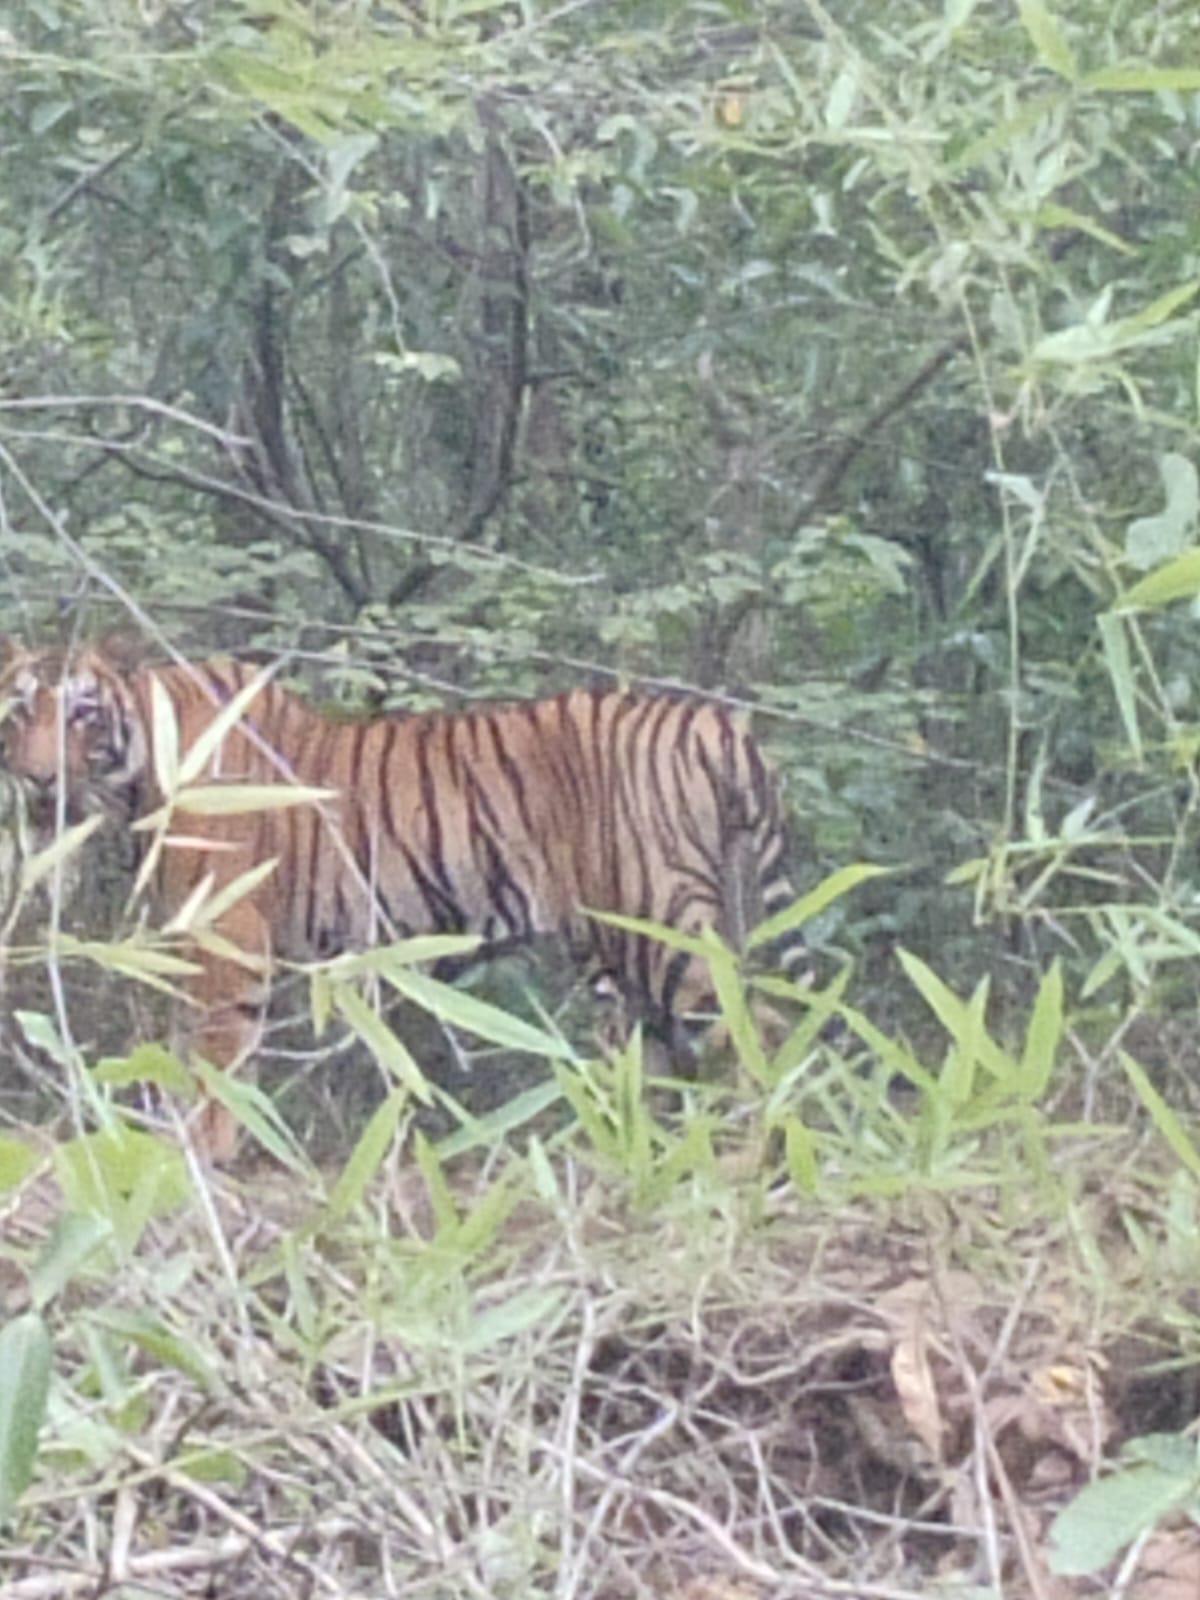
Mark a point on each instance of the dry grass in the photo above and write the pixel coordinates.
(518, 1386)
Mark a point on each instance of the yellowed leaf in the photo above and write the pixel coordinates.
(913, 1377)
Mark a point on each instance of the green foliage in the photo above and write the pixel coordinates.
(25, 1363)
(839, 362)
(1157, 1474)
(122, 1175)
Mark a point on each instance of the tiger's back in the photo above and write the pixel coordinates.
(514, 821)
(508, 822)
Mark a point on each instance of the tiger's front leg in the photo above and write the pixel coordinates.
(228, 1006)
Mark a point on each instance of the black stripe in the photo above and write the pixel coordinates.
(432, 808)
(384, 780)
(567, 755)
(689, 709)
(509, 769)
(504, 893)
(444, 910)
(760, 777)
(479, 805)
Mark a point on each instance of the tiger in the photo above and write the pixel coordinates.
(507, 821)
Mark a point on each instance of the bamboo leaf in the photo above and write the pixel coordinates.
(1043, 1035)
(41, 865)
(476, 1016)
(1145, 80)
(25, 1363)
(812, 904)
(1120, 671)
(1162, 1116)
(373, 1144)
(164, 737)
(203, 907)
(1177, 579)
(197, 758)
(227, 800)
(383, 1044)
(254, 1111)
(1048, 38)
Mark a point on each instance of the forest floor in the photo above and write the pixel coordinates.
(517, 1376)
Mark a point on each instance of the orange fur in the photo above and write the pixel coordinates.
(505, 822)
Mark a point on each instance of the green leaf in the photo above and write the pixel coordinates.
(213, 1466)
(1150, 541)
(591, 1111)
(414, 952)
(659, 932)
(1097, 339)
(1109, 1514)
(391, 1052)
(73, 1241)
(963, 1022)
(1048, 38)
(800, 1152)
(203, 907)
(894, 1057)
(822, 1005)
(1161, 1114)
(1043, 1035)
(131, 958)
(840, 101)
(254, 1111)
(1178, 579)
(441, 1200)
(1052, 215)
(372, 1145)
(1145, 80)
(201, 752)
(475, 1232)
(25, 1363)
(545, 1180)
(812, 904)
(491, 1129)
(123, 1175)
(46, 113)
(17, 1161)
(735, 1012)
(1157, 312)
(163, 1344)
(528, 1308)
(42, 1034)
(36, 867)
(147, 1063)
(346, 153)
(475, 1016)
(1120, 671)
(1169, 1452)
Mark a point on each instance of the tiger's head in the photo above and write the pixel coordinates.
(69, 721)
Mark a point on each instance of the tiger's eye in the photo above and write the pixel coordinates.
(85, 714)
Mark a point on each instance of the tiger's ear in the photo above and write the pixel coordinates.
(123, 652)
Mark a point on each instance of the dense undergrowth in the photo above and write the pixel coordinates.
(853, 1319)
(836, 362)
